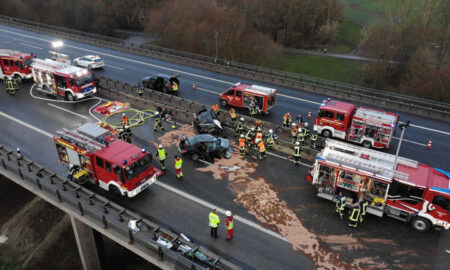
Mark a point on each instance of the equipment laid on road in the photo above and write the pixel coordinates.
(15, 64)
(398, 187)
(111, 107)
(242, 95)
(346, 121)
(100, 158)
(59, 78)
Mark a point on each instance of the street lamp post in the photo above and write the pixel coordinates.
(403, 127)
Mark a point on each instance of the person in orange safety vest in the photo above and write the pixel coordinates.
(262, 150)
(287, 119)
(124, 119)
(242, 145)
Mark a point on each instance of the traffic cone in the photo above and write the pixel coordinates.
(429, 144)
(194, 86)
(309, 115)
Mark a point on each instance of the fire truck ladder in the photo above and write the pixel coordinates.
(378, 162)
(83, 141)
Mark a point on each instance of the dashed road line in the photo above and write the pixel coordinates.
(119, 68)
(32, 46)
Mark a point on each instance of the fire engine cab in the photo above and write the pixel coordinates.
(241, 95)
(101, 158)
(397, 187)
(57, 77)
(368, 127)
(14, 64)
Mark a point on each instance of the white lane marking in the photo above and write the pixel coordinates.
(418, 143)
(222, 211)
(26, 124)
(301, 99)
(119, 68)
(206, 90)
(66, 110)
(32, 46)
(188, 73)
(285, 158)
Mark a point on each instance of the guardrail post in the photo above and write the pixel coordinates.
(131, 236)
(58, 194)
(105, 223)
(18, 160)
(160, 253)
(38, 182)
(80, 207)
(20, 173)
(29, 165)
(4, 164)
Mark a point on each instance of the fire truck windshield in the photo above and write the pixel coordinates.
(84, 79)
(27, 62)
(138, 167)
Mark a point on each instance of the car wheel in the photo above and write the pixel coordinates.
(90, 67)
(420, 224)
(19, 79)
(69, 96)
(115, 191)
(76, 63)
(326, 133)
(366, 144)
(195, 156)
(223, 102)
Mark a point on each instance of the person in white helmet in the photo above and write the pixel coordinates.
(249, 136)
(271, 138)
(157, 122)
(162, 156)
(306, 129)
(124, 120)
(229, 225)
(297, 153)
(239, 127)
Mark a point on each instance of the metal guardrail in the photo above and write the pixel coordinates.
(184, 112)
(394, 101)
(104, 214)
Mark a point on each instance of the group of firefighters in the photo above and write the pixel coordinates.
(357, 210)
(254, 137)
(11, 85)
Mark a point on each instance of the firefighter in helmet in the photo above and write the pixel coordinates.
(239, 127)
(124, 119)
(287, 119)
(162, 156)
(11, 87)
(297, 153)
(140, 89)
(271, 138)
(216, 109)
(157, 122)
(233, 115)
(253, 108)
(242, 145)
(261, 149)
(249, 136)
(313, 138)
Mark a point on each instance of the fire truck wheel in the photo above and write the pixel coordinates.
(114, 190)
(366, 144)
(223, 102)
(420, 224)
(18, 78)
(69, 96)
(326, 133)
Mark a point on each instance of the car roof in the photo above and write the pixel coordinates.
(202, 138)
(92, 57)
(162, 75)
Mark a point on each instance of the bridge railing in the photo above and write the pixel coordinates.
(104, 215)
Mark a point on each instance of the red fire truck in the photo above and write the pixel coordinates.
(14, 64)
(368, 127)
(58, 77)
(397, 187)
(241, 95)
(101, 158)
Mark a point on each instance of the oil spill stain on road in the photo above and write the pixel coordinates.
(173, 137)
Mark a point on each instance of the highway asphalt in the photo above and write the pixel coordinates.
(272, 195)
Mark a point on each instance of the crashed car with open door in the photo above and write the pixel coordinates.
(205, 146)
(163, 83)
(205, 121)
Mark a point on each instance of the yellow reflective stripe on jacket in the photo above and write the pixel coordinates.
(214, 220)
(230, 225)
(162, 154)
(178, 163)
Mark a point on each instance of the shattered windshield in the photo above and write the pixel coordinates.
(84, 79)
(138, 167)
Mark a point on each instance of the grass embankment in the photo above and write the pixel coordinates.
(329, 68)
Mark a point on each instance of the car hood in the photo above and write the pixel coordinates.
(225, 143)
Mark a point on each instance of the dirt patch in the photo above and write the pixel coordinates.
(173, 137)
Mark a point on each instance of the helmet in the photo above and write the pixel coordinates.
(242, 136)
(297, 143)
(253, 128)
(294, 124)
(228, 213)
(156, 113)
(259, 129)
(270, 131)
(123, 114)
(299, 129)
(160, 146)
(242, 119)
(306, 124)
